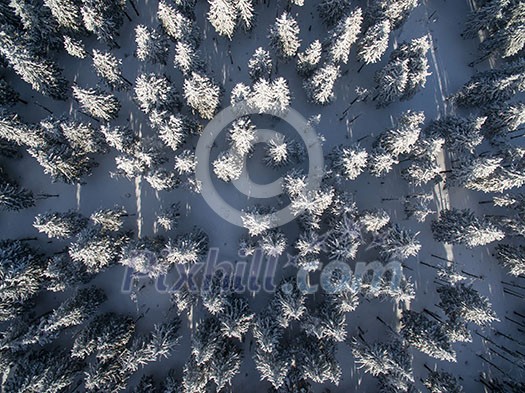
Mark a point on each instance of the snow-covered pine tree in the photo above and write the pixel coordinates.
(460, 134)
(381, 162)
(43, 75)
(317, 361)
(107, 67)
(280, 151)
(288, 302)
(246, 13)
(195, 377)
(72, 312)
(75, 47)
(153, 91)
(331, 11)
(374, 220)
(344, 240)
(121, 138)
(63, 163)
(223, 16)
(60, 225)
(114, 374)
(426, 335)
(493, 86)
(403, 137)
(235, 317)
(320, 86)
(463, 227)
(284, 36)
(379, 358)
(308, 60)
(19, 133)
(96, 248)
(502, 26)
(344, 35)
(512, 257)
(110, 220)
(272, 366)
(228, 166)
(18, 263)
(273, 243)
(392, 81)
(43, 371)
(168, 218)
(328, 323)
(472, 169)
(39, 26)
(309, 243)
(103, 18)
(13, 197)
(422, 170)
(187, 248)
(225, 365)
(105, 336)
(176, 25)
(202, 94)
(241, 136)
(269, 97)
(257, 220)
(266, 331)
(161, 179)
(97, 103)
(405, 73)
(503, 119)
(82, 137)
(487, 16)
(461, 301)
(396, 11)
(441, 381)
(67, 14)
(239, 94)
(260, 64)
(374, 42)
(187, 59)
(416, 205)
(152, 46)
(63, 273)
(146, 156)
(398, 243)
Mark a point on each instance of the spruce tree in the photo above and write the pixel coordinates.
(223, 16)
(97, 103)
(344, 35)
(108, 67)
(463, 227)
(103, 18)
(154, 91)
(260, 64)
(284, 36)
(320, 86)
(374, 42)
(152, 46)
(43, 75)
(493, 86)
(60, 225)
(202, 94)
(308, 60)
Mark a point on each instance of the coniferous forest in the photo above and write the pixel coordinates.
(286, 196)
